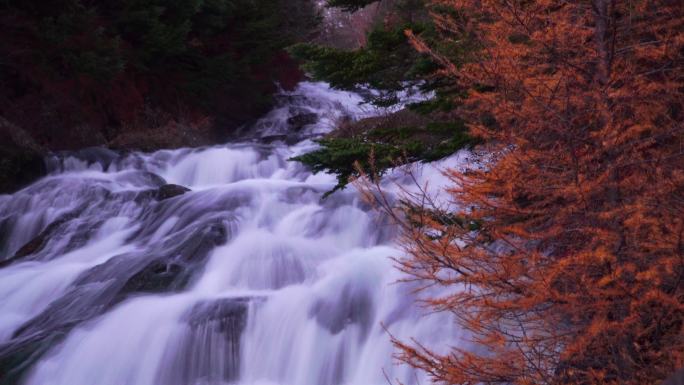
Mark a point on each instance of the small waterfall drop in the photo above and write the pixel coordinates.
(206, 266)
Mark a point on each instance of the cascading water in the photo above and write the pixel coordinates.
(113, 274)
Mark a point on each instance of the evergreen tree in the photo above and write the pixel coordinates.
(390, 65)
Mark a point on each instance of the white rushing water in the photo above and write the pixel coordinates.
(248, 278)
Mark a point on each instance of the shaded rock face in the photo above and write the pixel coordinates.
(21, 159)
(18, 169)
(302, 119)
(169, 191)
(16, 359)
(100, 155)
(39, 242)
(213, 330)
(156, 277)
(105, 285)
(172, 134)
(102, 287)
(354, 306)
(167, 265)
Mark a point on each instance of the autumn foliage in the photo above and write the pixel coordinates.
(78, 73)
(566, 259)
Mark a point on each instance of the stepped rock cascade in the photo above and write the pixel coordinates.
(206, 266)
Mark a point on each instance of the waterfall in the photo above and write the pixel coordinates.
(206, 266)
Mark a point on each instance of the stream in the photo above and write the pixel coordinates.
(207, 266)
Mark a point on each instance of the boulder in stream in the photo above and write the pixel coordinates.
(169, 191)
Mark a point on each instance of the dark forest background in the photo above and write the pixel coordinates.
(139, 74)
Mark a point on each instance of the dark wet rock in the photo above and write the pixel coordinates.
(38, 243)
(99, 289)
(288, 139)
(35, 338)
(301, 120)
(157, 277)
(230, 314)
(79, 304)
(16, 357)
(293, 99)
(188, 215)
(273, 138)
(168, 265)
(100, 155)
(169, 191)
(141, 178)
(174, 270)
(169, 272)
(33, 246)
(6, 225)
(353, 306)
(155, 179)
(18, 169)
(79, 234)
(144, 197)
(21, 159)
(196, 247)
(214, 331)
(167, 135)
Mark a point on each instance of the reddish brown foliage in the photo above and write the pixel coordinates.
(575, 276)
(82, 73)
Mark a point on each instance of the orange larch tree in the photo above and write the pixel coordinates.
(566, 259)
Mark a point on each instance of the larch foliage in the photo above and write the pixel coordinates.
(573, 274)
